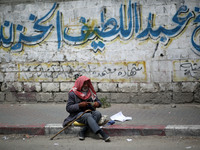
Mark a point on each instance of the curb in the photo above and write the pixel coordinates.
(22, 129)
(112, 130)
(131, 130)
(182, 130)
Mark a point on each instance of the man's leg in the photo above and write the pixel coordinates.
(91, 120)
(83, 132)
(96, 115)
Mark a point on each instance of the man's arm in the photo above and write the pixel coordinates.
(97, 103)
(72, 105)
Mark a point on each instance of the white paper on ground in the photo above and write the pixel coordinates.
(120, 117)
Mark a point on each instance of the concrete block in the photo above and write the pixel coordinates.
(45, 57)
(176, 87)
(180, 53)
(66, 86)
(120, 97)
(154, 66)
(1, 77)
(104, 95)
(197, 96)
(95, 85)
(189, 86)
(10, 77)
(127, 87)
(2, 96)
(19, 58)
(165, 66)
(32, 87)
(153, 98)
(70, 56)
(148, 87)
(5, 57)
(36, 67)
(134, 98)
(172, 9)
(35, 76)
(60, 97)
(61, 76)
(84, 56)
(28, 97)
(107, 87)
(182, 97)
(32, 56)
(160, 19)
(10, 97)
(176, 65)
(58, 57)
(44, 97)
(186, 45)
(50, 87)
(161, 76)
(9, 67)
(11, 86)
(164, 87)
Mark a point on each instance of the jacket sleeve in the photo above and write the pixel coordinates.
(72, 105)
(97, 100)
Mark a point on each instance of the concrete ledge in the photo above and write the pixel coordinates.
(23, 129)
(131, 130)
(55, 128)
(182, 130)
(112, 130)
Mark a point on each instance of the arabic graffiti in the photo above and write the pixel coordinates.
(188, 70)
(192, 70)
(196, 30)
(104, 72)
(23, 38)
(129, 26)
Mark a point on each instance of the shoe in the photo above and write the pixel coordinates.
(105, 136)
(81, 135)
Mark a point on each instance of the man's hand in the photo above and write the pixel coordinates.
(95, 104)
(82, 104)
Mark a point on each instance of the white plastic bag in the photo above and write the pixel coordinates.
(120, 117)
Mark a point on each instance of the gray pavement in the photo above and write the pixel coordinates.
(143, 115)
(34, 114)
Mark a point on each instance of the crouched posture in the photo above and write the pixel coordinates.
(81, 98)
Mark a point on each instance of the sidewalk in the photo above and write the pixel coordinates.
(45, 119)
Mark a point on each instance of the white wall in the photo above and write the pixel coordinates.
(154, 60)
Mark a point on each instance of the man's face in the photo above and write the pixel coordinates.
(85, 87)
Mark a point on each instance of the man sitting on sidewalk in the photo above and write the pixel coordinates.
(83, 97)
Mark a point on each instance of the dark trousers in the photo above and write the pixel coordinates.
(91, 120)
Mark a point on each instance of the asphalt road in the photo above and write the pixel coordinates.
(27, 142)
